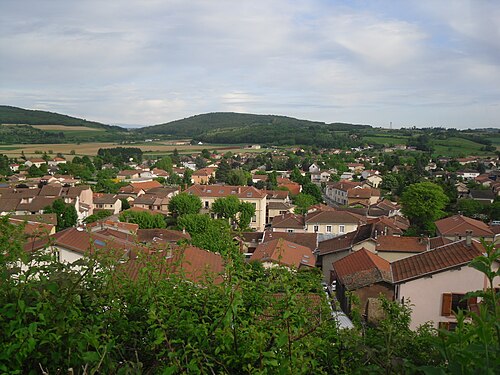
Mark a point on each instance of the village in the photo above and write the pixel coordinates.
(339, 211)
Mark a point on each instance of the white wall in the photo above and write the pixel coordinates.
(426, 293)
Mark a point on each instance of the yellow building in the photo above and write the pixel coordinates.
(209, 193)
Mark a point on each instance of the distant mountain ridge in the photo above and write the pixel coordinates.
(15, 115)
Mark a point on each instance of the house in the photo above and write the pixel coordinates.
(135, 189)
(336, 248)
(293, 187)
(358, 195)
(128, 174)
(283, 252)
(25, 201)
(37, 162)
(259, 177)
(288, 222)
(321, 176)
(56, 161)
(202, 176)
(314, 168)
(482, 196)
(434, 282)
(192, 263)
(72, 244)
(209, 193)
(332, 222)
(309, 240)
(363, 274)
(458, 227)
(356, 167)
(109, 202)
(468, 174)
(372, 177)
(392, 248)
(337, 191)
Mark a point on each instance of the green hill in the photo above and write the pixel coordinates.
(15, 115)
(231, 128)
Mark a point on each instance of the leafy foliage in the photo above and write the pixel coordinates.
(66, 214)
(184, 203)
(144, 219)
(423, 203)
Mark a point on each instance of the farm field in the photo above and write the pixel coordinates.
(65, 128)
(149, 148)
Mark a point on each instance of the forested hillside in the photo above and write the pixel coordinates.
(15, 115)
(250, 128)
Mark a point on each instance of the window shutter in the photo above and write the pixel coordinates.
(446, 306)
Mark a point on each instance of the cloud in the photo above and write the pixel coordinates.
(147, 62)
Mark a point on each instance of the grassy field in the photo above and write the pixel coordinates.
(386, 139)
(149, 148)
(66, 128)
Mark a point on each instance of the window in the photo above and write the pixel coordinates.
(206, 204)
(316, 228)
(329, 229)
(254, 219)
(289, 230)
(341, 228)
(452, 302)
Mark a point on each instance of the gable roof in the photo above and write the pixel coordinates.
(362, 268)
(401, 244)
(288, 220)
(284, 252)
(309, 240)
(194, 263)
(218, 191)
(346, 241)
(459, 224)
(436, 260)
(330, 216)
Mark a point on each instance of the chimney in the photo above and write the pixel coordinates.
(457, 237)
(468, 237)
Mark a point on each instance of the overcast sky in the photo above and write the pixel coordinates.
(144, 62)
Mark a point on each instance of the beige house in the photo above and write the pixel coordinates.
(457, 227)
(436, 288)
(209, 193)
(202, 176)
(109, 202)
(332, 222)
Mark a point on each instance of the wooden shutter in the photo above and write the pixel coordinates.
(446, 305)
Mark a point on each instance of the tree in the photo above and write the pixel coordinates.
(422, 204)
(186, 180)
(34, 171)
(237, 177)
(226, 207)
(302, 202)
(184, 203)
(207, 233)
(469, 207)
(144, 219)
(165, 163)
(205, 154)
(247, 211)
(99, 215)
(222, 171)
(66, 214)
(314, 191)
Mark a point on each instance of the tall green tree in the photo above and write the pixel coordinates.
(303, 202)
(423, 203)
(184, 203)
(144, 219)
(66, 214)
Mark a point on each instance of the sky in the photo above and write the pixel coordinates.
(143, 62)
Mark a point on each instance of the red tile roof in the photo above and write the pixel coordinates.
(330, 216)
(309, 240)
(459, 224)
(401, 244)
(362, 268)
(216, 191)
(284, 252)
(436, 260)
(288, 220)
(196, 264)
